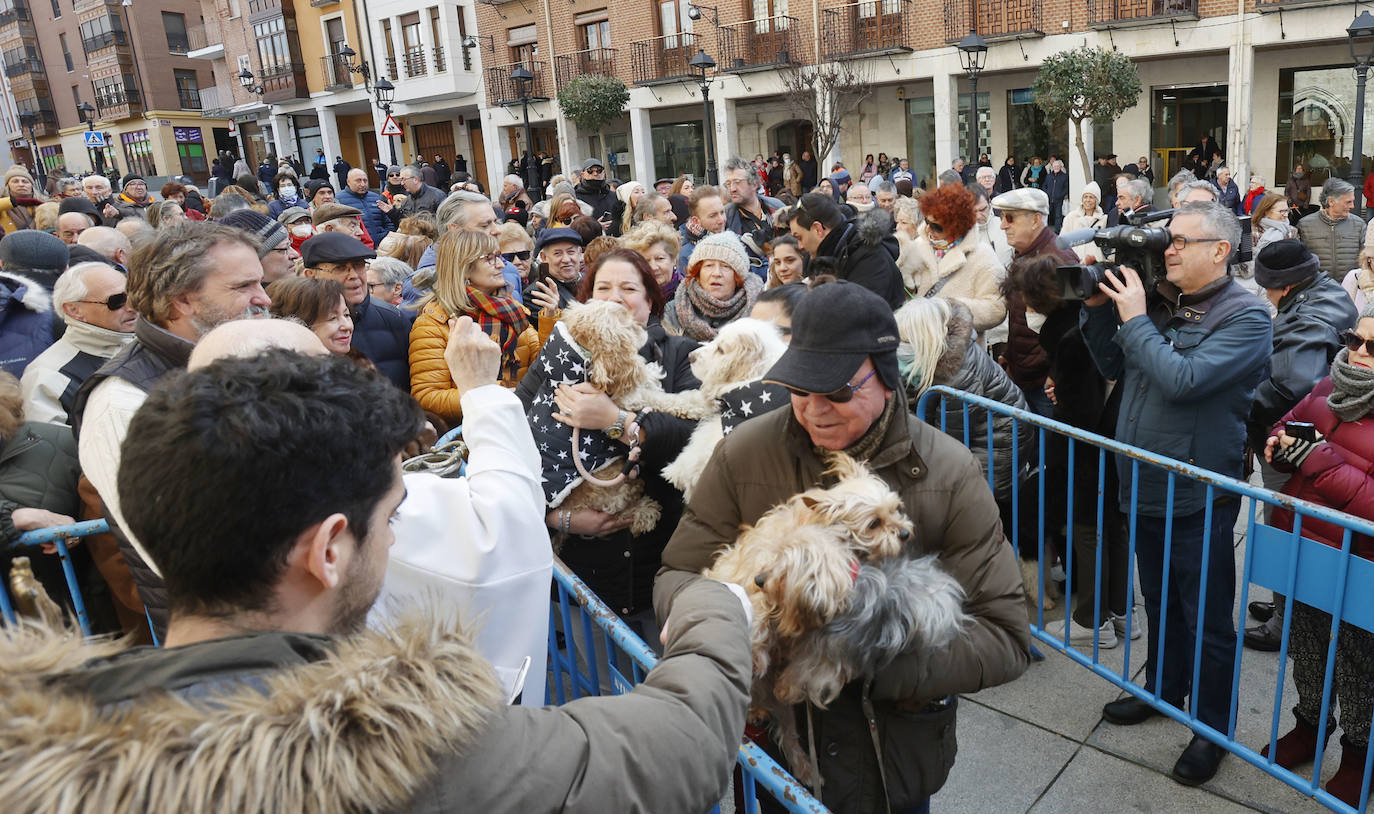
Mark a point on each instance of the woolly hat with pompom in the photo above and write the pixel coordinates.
(725, 247)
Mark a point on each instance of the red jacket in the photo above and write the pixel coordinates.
(1338, 473)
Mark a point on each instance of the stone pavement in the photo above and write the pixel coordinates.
(1040, 745)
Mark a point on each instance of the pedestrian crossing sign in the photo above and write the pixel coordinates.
(95, 138)
(391, 128)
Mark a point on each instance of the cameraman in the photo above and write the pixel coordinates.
(1188, 356)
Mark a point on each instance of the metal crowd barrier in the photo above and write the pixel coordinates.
(58, 535)
(575, 677)
(1331, 580)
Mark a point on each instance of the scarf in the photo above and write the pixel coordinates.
(867, 445)
(700, 314)
(501, 318)
(1352, 389)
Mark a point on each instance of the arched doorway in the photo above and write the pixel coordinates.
(791, 137)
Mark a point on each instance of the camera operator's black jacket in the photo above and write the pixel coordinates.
(1307, 335)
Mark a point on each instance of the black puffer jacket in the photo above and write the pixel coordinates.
(1307, 335)
(620, 568)
(599, 196)
(863, 251)
(966, 366)
(38, 470)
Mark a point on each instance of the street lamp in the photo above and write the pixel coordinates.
(246, 79)
(524, 80)
(88, 116)
(385, 92)
(28, 118)
(973, 53)
(1361, 35)
(702, 64)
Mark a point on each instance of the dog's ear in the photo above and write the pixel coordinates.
(843, 466)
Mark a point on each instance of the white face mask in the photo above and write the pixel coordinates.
(1034, 321)
(303, 230)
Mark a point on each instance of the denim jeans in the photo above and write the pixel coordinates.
(1180, 631)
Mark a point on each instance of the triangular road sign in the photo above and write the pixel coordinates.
(391, 128)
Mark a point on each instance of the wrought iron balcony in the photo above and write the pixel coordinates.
(993, 19)
(503, 90)
(591, 62)
(117, 100)
(414, 62)
(1267, 6)
(189, 98)
(1121, 13)
(19, 61)
(439, 63)
(662, 59)
(762, 43)
(178, 43)
(337, 71)
(867, 28)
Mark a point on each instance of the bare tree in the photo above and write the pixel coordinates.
(827, 95)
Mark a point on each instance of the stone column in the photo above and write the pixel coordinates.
(642, 146)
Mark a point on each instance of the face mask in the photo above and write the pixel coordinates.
(287, 193)
(302, 230)
(1034, 321)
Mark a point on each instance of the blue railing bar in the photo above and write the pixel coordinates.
(1357, 524)
(73, 587)
(55, 533)
(1244, 603)
(1201, 630)
(1068, 552)
(1164, 583)
(5, 607)
(968, 430)
(1040, 527)
(1016, 487)
(1130, 564)
(1101, 545)
(1296, 535)
(1332, 643)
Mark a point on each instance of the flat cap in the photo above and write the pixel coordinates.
(334, 247)
(291, 214)
(1023, 200)
(333, 210)
(562, 234)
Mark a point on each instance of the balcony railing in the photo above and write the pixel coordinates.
(760, 43)
(13, 12)
(414, 61)
(203, 36)
(178, 43)
(662, 59)
(1116, 13)
(503, 90)
(285, 80)
(337, 71)
(439, 63)
(44, 120)
(866, 28)
(189, 98)
(1265, 6)
(116, 99)
(102, 41)
(993, 19)
(213, 100)
(19, 61)
(591, 62)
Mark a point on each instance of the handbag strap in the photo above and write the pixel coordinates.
(872, 718)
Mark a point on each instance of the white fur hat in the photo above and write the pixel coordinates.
(725, 247)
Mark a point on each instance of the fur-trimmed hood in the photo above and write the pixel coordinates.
(958, 336)
(356, 724)
(34, 296)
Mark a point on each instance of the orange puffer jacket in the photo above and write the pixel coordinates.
(430, 382)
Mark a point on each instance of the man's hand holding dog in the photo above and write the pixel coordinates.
(473, 358)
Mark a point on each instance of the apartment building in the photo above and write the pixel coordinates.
(128, 64)
(1270, 80)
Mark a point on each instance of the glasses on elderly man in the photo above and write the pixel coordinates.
(114, 302)
(844, 394)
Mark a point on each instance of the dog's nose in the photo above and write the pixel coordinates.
(904, 535)
(760, 579)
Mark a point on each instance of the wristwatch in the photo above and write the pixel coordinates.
(618, 428)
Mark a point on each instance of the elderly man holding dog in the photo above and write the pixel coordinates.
(841, 369)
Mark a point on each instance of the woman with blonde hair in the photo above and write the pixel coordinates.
(1359, 283)
(659, 244)
(164, 213)
(45, 216)
(468, 282)
(517, 247)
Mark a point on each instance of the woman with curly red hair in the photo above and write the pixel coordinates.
(947, 260)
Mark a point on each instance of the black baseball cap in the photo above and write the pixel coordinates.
(334, 247)
(834, 328)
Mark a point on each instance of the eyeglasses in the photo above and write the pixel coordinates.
(513, 256)
(594, 171)
(114, 302)
(844, 394)
(371, 286)
(1180, 242)
(1354, 342)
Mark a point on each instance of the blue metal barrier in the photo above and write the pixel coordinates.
(1331, 580)
(57, 535)
(575, 677)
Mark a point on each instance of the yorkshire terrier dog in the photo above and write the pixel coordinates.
(834, 597)
(741, 353)
(605, 339)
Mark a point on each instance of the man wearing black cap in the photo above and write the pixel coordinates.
(380, 331)
(1312, 312)
(133, 198)
(841, 368)
(560, 263)
(593, 191)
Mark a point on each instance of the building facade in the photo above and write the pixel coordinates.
(129, 65)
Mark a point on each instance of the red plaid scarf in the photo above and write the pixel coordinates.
(501, 318)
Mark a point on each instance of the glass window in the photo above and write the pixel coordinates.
(66, 53)
(190, 150)
(920, 140)
(138, 152)
(1178, 119)
(1031, 133)
(984, 126)
(1316, 124)
(678, 149)
(174, 25)
(596, 35)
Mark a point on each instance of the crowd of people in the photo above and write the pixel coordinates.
(233, 380)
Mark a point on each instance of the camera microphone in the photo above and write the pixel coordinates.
(1075, 238)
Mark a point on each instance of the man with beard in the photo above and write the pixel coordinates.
(380, 331)
(200, 274)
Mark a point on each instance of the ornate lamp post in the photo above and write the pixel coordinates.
(973, 54)
(385, 93)
(702, 64)
(524, 81)
(1361, 36)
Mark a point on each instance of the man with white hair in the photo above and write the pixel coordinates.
(886, 196)
(70, 225)
(467, 212)
(986, 177)
(111, 243)
(860, 197)
(97, 190)
(91, 299)
(241, 339)
(419, 197)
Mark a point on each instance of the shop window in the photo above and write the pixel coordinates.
(1316, 126)
(678, 150)
(138, 152)
(190, 150)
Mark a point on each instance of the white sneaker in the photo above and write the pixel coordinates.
(1083, 636)
(1137, 623)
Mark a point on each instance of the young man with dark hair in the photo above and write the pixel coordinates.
(863, 251)
(267, 485)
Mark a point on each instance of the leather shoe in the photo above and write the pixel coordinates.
(1259, 638)
(1261, 611)
(1198, 763)
(1129, 711)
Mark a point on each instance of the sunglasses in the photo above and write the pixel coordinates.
(114, 303)
(1353, 341)
(513, 256)
(844, 394)
(933, 226)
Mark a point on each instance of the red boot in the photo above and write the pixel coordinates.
(1298, 747)
(1345, 783)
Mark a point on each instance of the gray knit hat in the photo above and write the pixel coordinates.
(725, 247)
(33, 249)
(263, 229)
